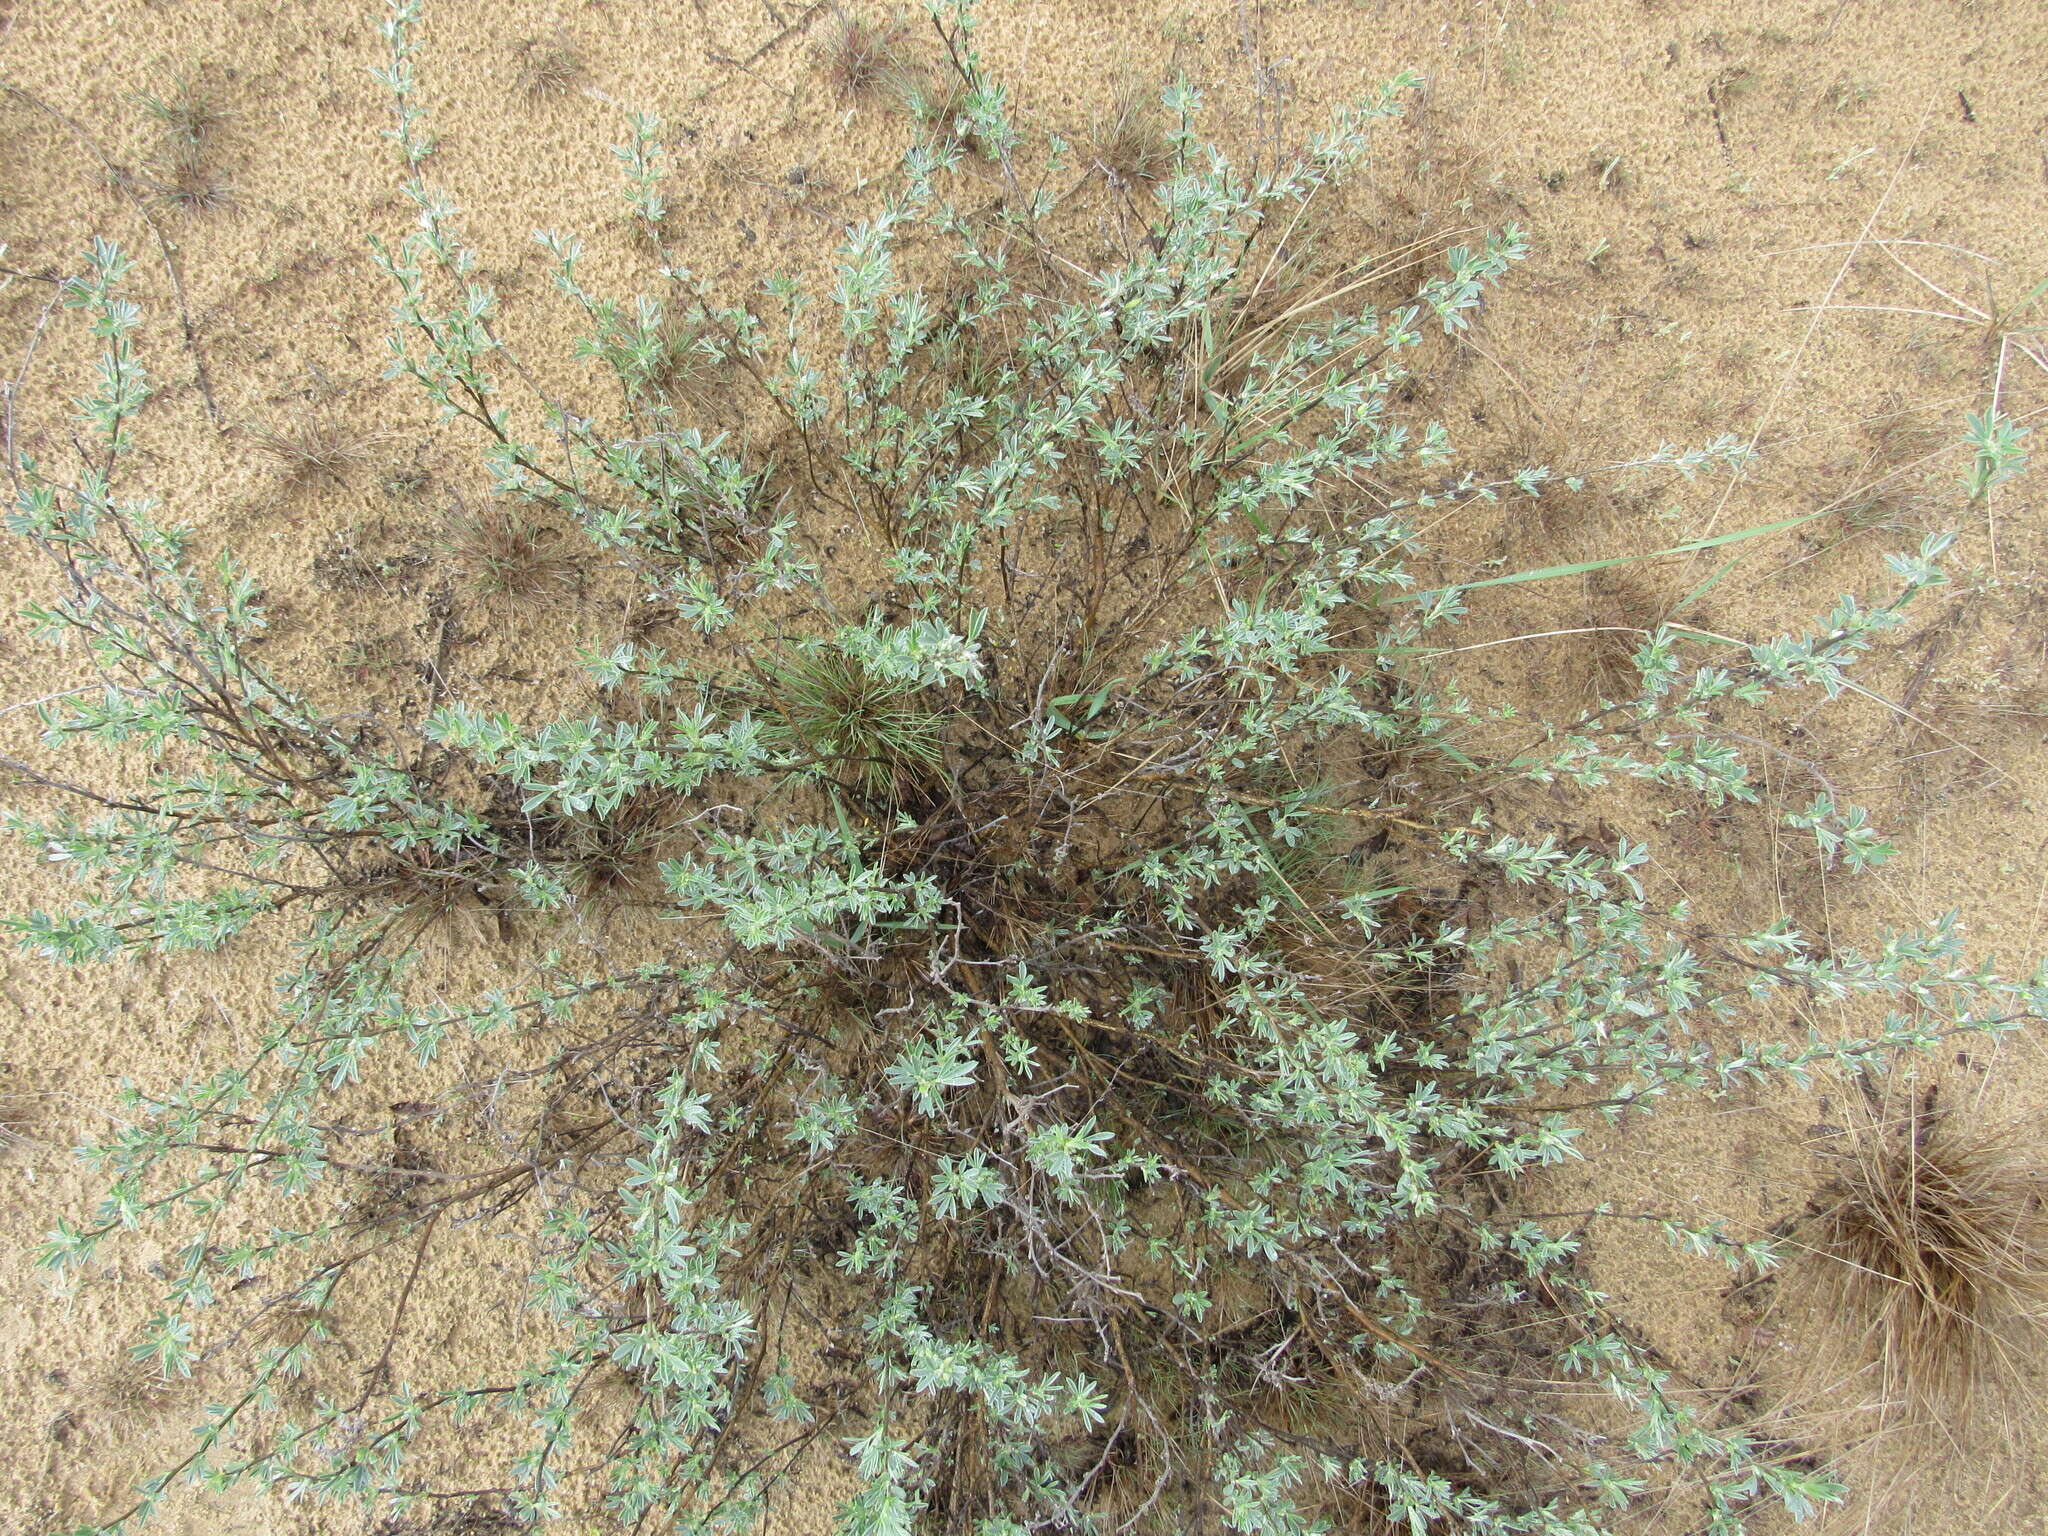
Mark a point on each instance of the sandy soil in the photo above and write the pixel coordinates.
(1696, 178)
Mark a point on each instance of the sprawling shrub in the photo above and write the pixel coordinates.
(1074, 1079)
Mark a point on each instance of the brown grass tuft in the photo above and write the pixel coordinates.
(549, 67)
(314, 447)
(192, 185)
(1940, 1237)
(190, 116)
(1129, 137)
(861, 57)
(687, 366)
(1621, 614)
(501, 552)
(14, 1123)
(188, 112)
(617, 862)
(935, 97)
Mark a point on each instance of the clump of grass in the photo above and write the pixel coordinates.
(1941, 1240)
(423, 890)
(682, 362)
(860, 57)
(192, 184)
(1621, 613)
(550, 67)
(313, 448)
(188, 112)
(1325, 870)
(504, 553)
(1845, 94)
(1737, 85)
(615, 861)
(476, 1517)
(190, 117)
(377, 656)
(1319, 861)
(935, 97)
(1129, 137)
(356, 559)
(14, 1119)
(826, 706)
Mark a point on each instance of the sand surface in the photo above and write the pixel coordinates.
(1695, 178)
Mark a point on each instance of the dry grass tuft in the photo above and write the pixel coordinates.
(687, 366)
(616, 863)
(192, 185)
(1621, 614)
(501, 552)
(134, 1397)
(1129, 137)
(314, 447)
(420, 891)
(479, 1516)
(549, 67)
(860, 58)
(1941, 1240)
(936, 97)
(14, 1123)
(187, 111)
(190, 116)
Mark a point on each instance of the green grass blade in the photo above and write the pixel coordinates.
(1580, 567)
